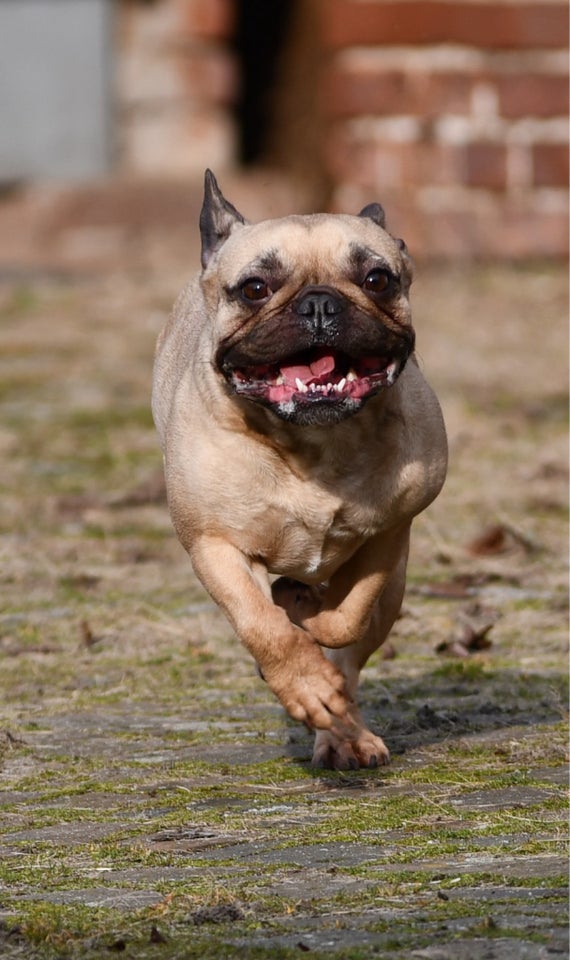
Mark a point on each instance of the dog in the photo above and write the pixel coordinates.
(300, 439)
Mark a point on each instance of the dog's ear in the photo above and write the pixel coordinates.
(218, 218)
(374, 211)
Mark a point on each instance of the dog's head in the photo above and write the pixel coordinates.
(311, 313)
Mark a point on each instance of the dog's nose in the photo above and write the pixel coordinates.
(319, 305)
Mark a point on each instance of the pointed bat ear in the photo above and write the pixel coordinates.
(374, 212)
(217, 218)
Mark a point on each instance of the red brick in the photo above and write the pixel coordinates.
(205, 19)
(550, 164)
(520, 232)
(425, 164)
(494, 25)
(208, 75)
(395, 165)
(542, 95)
(352, 91)
(500, 227)
(485, 166)
(349, 159)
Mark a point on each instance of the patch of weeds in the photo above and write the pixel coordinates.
(488, 772)
(269, 772)
(96, 422)
(59, 929)
(469, 669)
(24, 298)
(47, 873)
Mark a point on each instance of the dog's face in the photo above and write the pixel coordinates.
(311, 313)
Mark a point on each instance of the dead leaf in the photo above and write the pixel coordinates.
(88, 638)
(452, 648)
(493, 540)
(502, 538)
(475, 623)
(156, 936)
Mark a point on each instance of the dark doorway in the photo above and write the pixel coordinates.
(261, 36)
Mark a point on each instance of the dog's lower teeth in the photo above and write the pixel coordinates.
(391, 373)
(351, 375)
(340, 385)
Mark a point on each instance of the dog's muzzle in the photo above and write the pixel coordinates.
(319, 362)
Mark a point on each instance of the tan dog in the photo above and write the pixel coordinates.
(300, 439)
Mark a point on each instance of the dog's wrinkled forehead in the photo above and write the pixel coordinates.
(318, 248)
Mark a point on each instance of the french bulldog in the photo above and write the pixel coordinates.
(300, 439)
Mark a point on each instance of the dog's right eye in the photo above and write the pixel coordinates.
(254, 290)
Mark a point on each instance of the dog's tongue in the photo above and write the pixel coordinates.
(307, 373)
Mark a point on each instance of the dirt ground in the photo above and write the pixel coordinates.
(154, 799)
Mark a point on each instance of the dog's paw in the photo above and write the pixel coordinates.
(299, 600)
(310, 688)
(336, 751)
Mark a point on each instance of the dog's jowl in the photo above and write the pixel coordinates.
(300, 439)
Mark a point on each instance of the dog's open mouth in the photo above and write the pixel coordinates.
(315, 376)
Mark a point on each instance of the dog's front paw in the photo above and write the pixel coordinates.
(349, 750)
(310, 688)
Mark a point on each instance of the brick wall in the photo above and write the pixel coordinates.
(176, 80)
(454, 114)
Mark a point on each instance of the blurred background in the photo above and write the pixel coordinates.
(454, 114)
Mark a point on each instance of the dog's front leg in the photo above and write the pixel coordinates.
(353, 618)
(310, 687)
(353, 591)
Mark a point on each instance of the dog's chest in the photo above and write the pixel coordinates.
(312, 533)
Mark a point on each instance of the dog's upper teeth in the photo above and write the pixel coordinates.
(279, 380)
(300, 385)
(351, 375)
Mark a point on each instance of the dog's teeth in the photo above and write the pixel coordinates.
(391, 373)
(300, 385)
(340, 385)
(279, 381)
(351, 375)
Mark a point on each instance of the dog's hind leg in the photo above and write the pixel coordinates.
(357, 746)
(299, 600)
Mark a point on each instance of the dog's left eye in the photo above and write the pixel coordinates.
(255, 289)
(377, 281)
